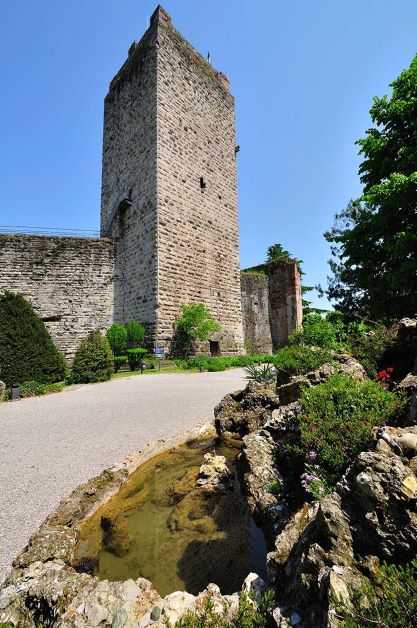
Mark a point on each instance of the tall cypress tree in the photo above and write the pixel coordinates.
(374, 240)
(27, 352)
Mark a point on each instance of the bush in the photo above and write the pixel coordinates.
(93, 360)
(135, 334)
(119, 361)
(136, 357)
(370, 348)
(317, 331)
(34, 389)
(195, 323)
(299, 359)
(391, 602)
(26, 348)
(337, 419)
(117, 337)
(247, 615)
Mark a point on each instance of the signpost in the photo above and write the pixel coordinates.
(159, 354)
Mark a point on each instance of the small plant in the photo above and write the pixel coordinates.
(93, 360)
(312, 480)
(264, 374)
(275, 488)
(135, 335)
(135, 358)
(391, 602)
(117, 337)
(247, 615)
(34, 389)
(383, 377)
(119, 361)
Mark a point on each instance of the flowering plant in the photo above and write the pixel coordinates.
(384, 376)
(312, 479)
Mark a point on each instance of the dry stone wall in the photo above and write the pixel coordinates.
(255, 305)
(69, 282)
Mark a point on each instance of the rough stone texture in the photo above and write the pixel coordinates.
(169, 147)
(272, 305)
(69, 282)
(255, 308)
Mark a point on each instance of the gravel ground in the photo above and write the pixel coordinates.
(49, 445)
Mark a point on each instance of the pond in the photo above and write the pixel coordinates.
(162, 527)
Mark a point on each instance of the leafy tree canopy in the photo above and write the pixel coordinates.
(196, 322)
(374, 240)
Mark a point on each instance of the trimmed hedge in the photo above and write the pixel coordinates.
(27, 351)
(93, 360)
(136, 357)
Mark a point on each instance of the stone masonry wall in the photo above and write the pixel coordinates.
(198, 239)
(68, 281)
(129, 198)
(272, 306)
(255, 308)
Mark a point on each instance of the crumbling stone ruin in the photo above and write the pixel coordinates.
(169, 229)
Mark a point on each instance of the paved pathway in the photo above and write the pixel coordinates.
(49, 445)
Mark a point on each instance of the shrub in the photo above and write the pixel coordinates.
(391, 602)
(93, 360)
(119, 361)
(195, 323)
(264, 374)
(117, 337)
(216, 364)
(337, 419)
(247, 615)
(135, 334)
(34, 389)
(26, 348)
(299, 359)
(317, 331)
(136, 357)
(370, 348)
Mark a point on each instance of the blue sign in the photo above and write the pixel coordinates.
(159, 352)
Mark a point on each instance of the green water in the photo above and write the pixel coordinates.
(160, 527)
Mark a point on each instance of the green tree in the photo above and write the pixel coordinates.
(117, 337)
(276, 252)
(195, 323)
(374, 240)
(135, 334)
(93, 360)
(27, 352)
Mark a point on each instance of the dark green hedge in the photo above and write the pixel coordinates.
(27, 352)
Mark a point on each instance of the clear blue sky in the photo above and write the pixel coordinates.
(303, 74)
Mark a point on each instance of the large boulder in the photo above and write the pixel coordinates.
(247, 410)
(408, 386)
(401, 353)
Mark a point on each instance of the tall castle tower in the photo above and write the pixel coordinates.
(169, 189)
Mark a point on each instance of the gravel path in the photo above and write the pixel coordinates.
(49, 445)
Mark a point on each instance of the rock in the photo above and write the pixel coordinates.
(398, 441)
(279, 618)
(253, 584)
(247, 410)
(48, 544)
(288, 393)
(214, 474)
(258, 471)
(176, 605)
(409, 386)
(156, 613)
(401, 353)
(346, 365)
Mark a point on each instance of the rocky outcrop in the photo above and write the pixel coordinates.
(214, 475)
(326, 549)
(247, 410)
(401, 353)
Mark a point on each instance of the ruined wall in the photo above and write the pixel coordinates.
(67, 280)
(198, 238)
(128, 202)
(255, 308)
(272, 306)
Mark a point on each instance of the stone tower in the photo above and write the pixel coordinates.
(169, 189)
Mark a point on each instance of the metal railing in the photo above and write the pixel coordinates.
(51, 231)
